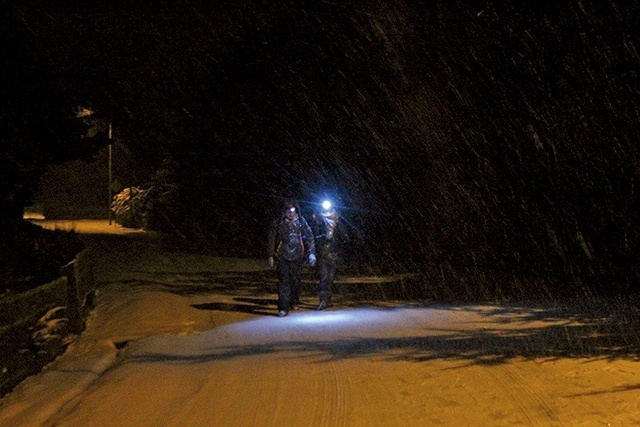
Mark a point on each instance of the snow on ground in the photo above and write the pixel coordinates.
(178, 340)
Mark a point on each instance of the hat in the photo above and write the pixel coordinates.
(290, 204)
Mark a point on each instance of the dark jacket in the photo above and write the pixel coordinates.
(330, 237)
(290, 240)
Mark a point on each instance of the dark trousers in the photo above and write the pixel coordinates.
(290, 277)
(326, 272)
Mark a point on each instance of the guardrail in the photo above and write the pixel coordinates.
(80, 290)
(20, 317)
(75, 290)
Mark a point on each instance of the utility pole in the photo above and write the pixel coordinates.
(110, 195)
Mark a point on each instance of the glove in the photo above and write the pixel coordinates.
(270, 262)
(312, 260)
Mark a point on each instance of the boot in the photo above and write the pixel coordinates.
(322, 305)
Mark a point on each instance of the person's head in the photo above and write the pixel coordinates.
(290, 210)
(328, 211)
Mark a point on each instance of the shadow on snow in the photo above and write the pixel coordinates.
(595, 329)
(560, 331)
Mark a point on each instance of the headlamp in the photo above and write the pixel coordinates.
(326, 205)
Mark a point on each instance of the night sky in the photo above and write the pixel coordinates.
(479, 139)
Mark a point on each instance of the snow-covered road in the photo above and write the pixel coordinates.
(185, 340)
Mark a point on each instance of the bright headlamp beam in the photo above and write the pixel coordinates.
(326, 205)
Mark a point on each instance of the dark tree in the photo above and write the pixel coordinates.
(484, 141)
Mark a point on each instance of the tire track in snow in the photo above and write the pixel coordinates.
(317, 387)
(332, 410)
(528, 394)
(336, 394)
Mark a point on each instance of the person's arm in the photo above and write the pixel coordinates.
(271, 243)
(343, 236)
(309, 241)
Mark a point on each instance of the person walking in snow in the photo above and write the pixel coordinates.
(290, 241)
(331, 236)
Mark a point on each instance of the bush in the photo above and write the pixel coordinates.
(128, 207)
(155, 208)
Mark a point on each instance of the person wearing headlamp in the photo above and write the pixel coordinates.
(290, 241)
(330, 237)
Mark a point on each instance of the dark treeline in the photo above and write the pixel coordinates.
(489, 145)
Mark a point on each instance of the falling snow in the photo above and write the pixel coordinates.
(483, 155)
(180, 339)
